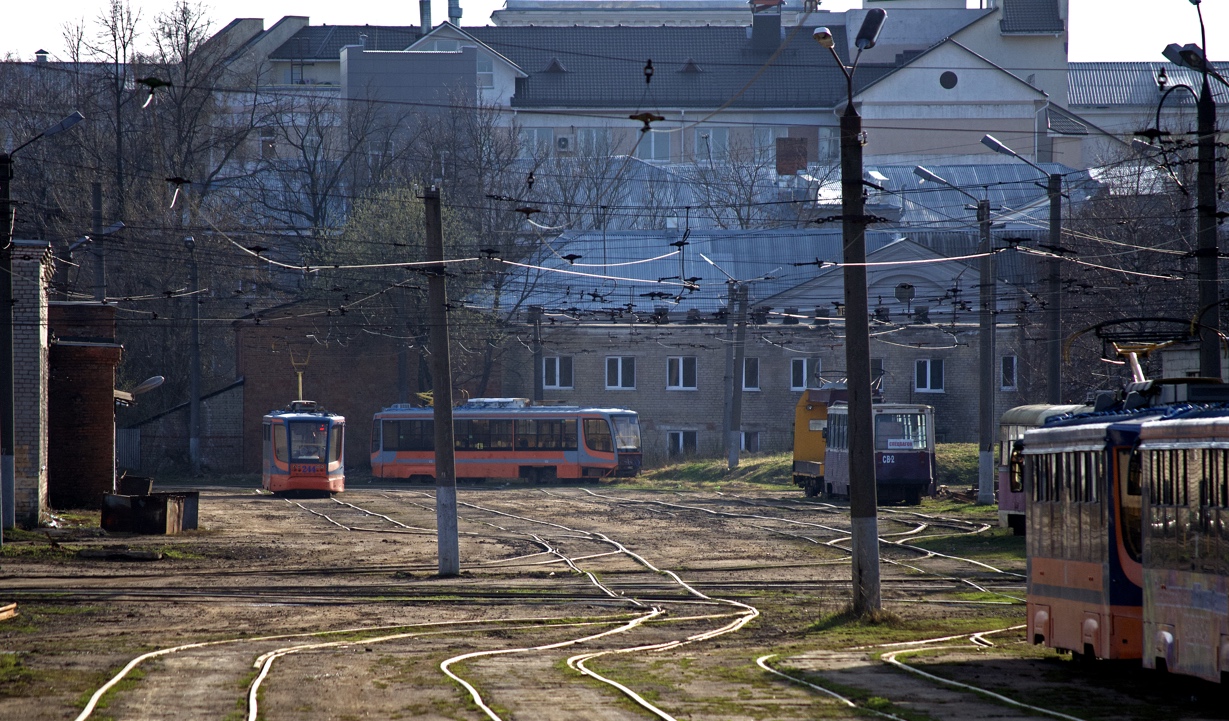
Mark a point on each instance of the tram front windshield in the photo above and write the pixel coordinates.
(308, 440)
(901, 432)
(626, 432)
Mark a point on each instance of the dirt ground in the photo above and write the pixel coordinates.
(333, 609)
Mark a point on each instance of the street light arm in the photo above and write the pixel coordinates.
(927, 175)
(56, 129)
(999, 147)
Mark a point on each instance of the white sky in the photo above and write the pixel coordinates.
(1100, 29)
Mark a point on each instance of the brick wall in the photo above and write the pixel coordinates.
(355, 380)
(31, 274)
(768, 411)
(164, 438)
(81, 463)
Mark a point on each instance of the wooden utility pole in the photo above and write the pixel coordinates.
(441, 393)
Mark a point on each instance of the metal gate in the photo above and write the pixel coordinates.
(128, 448)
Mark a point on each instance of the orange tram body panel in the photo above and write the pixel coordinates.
(1128, 531)
(509, 438)
(304, 448)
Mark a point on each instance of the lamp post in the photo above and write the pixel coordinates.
(1208, 250)
(985, 335)
(8, 216)
(863, 499)
(1053, 315)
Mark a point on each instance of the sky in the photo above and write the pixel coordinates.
(1108, 30)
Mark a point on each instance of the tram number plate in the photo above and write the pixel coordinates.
(888, 459)
(306, 468)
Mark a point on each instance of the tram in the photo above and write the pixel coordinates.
(303, 450)
(1180, 492)
(904, 451)
(1085, 577)
(509, 438)
(1010, 483)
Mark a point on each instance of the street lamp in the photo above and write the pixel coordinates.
(1208, 250)
(8, 216)
(1054, 343)
(862, 491)
(985, 334)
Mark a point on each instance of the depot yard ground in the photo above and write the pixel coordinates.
(364, 564)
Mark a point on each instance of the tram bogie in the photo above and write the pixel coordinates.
(303, 450)
(509, 438)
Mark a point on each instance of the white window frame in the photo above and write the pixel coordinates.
(751, 384)
(622, 364)
(486, 71)
(716, 146)
(797, 370)
(536, 142)
(1015, 373)
(929, 376)
(676, 445)
(554, 366)
(676, 373)
(654, 147)
(594, 142)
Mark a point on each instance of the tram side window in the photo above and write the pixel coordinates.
(1015, 468)
(480, 434)
(597, 435)
(546, 434)
(281, 446)
(409, 435)
(1214, 487)
(334, 443)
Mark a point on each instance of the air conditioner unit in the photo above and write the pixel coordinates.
(565, 143)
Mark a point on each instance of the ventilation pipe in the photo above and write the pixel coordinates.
(454, 12)
(424, 17)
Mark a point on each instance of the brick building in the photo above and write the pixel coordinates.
(31, 272)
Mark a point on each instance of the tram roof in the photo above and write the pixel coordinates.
(513, 411)
(302, 416)
(1087, 433)
(1211, 426)
(1037, 414)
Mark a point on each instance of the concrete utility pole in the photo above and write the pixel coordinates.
(863, 490)
(985, 331)
(1054, 312)
(441, 381)
(194, 366)
(539, 371)
(1209, 250)
(99, 250)
(740, 373)
(1054, 282)
(727, 406)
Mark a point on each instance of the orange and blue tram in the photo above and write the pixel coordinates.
(509, 438)
(304, 448)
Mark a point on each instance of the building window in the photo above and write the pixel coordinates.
(751, 441)
(268, 143)
(593, 141)
(798, 373)
(536, 142)
(654, 146)
(486, 72)
(928, 375)
(764, 143)
(712, 144)
(1007, 373)
(620, 372)
(751, 374)
(557, 372)
(680, 443)
(681, 373)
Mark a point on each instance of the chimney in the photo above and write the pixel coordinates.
(766, 24)
(454, 12)
(40, 56)
(424, 17)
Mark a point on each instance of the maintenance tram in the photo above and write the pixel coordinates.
(1010, 483)
(509, 438)
(303, 450)
(904, 451)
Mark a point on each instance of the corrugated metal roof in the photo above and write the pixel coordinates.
(1133, 83)
(1031, 16)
